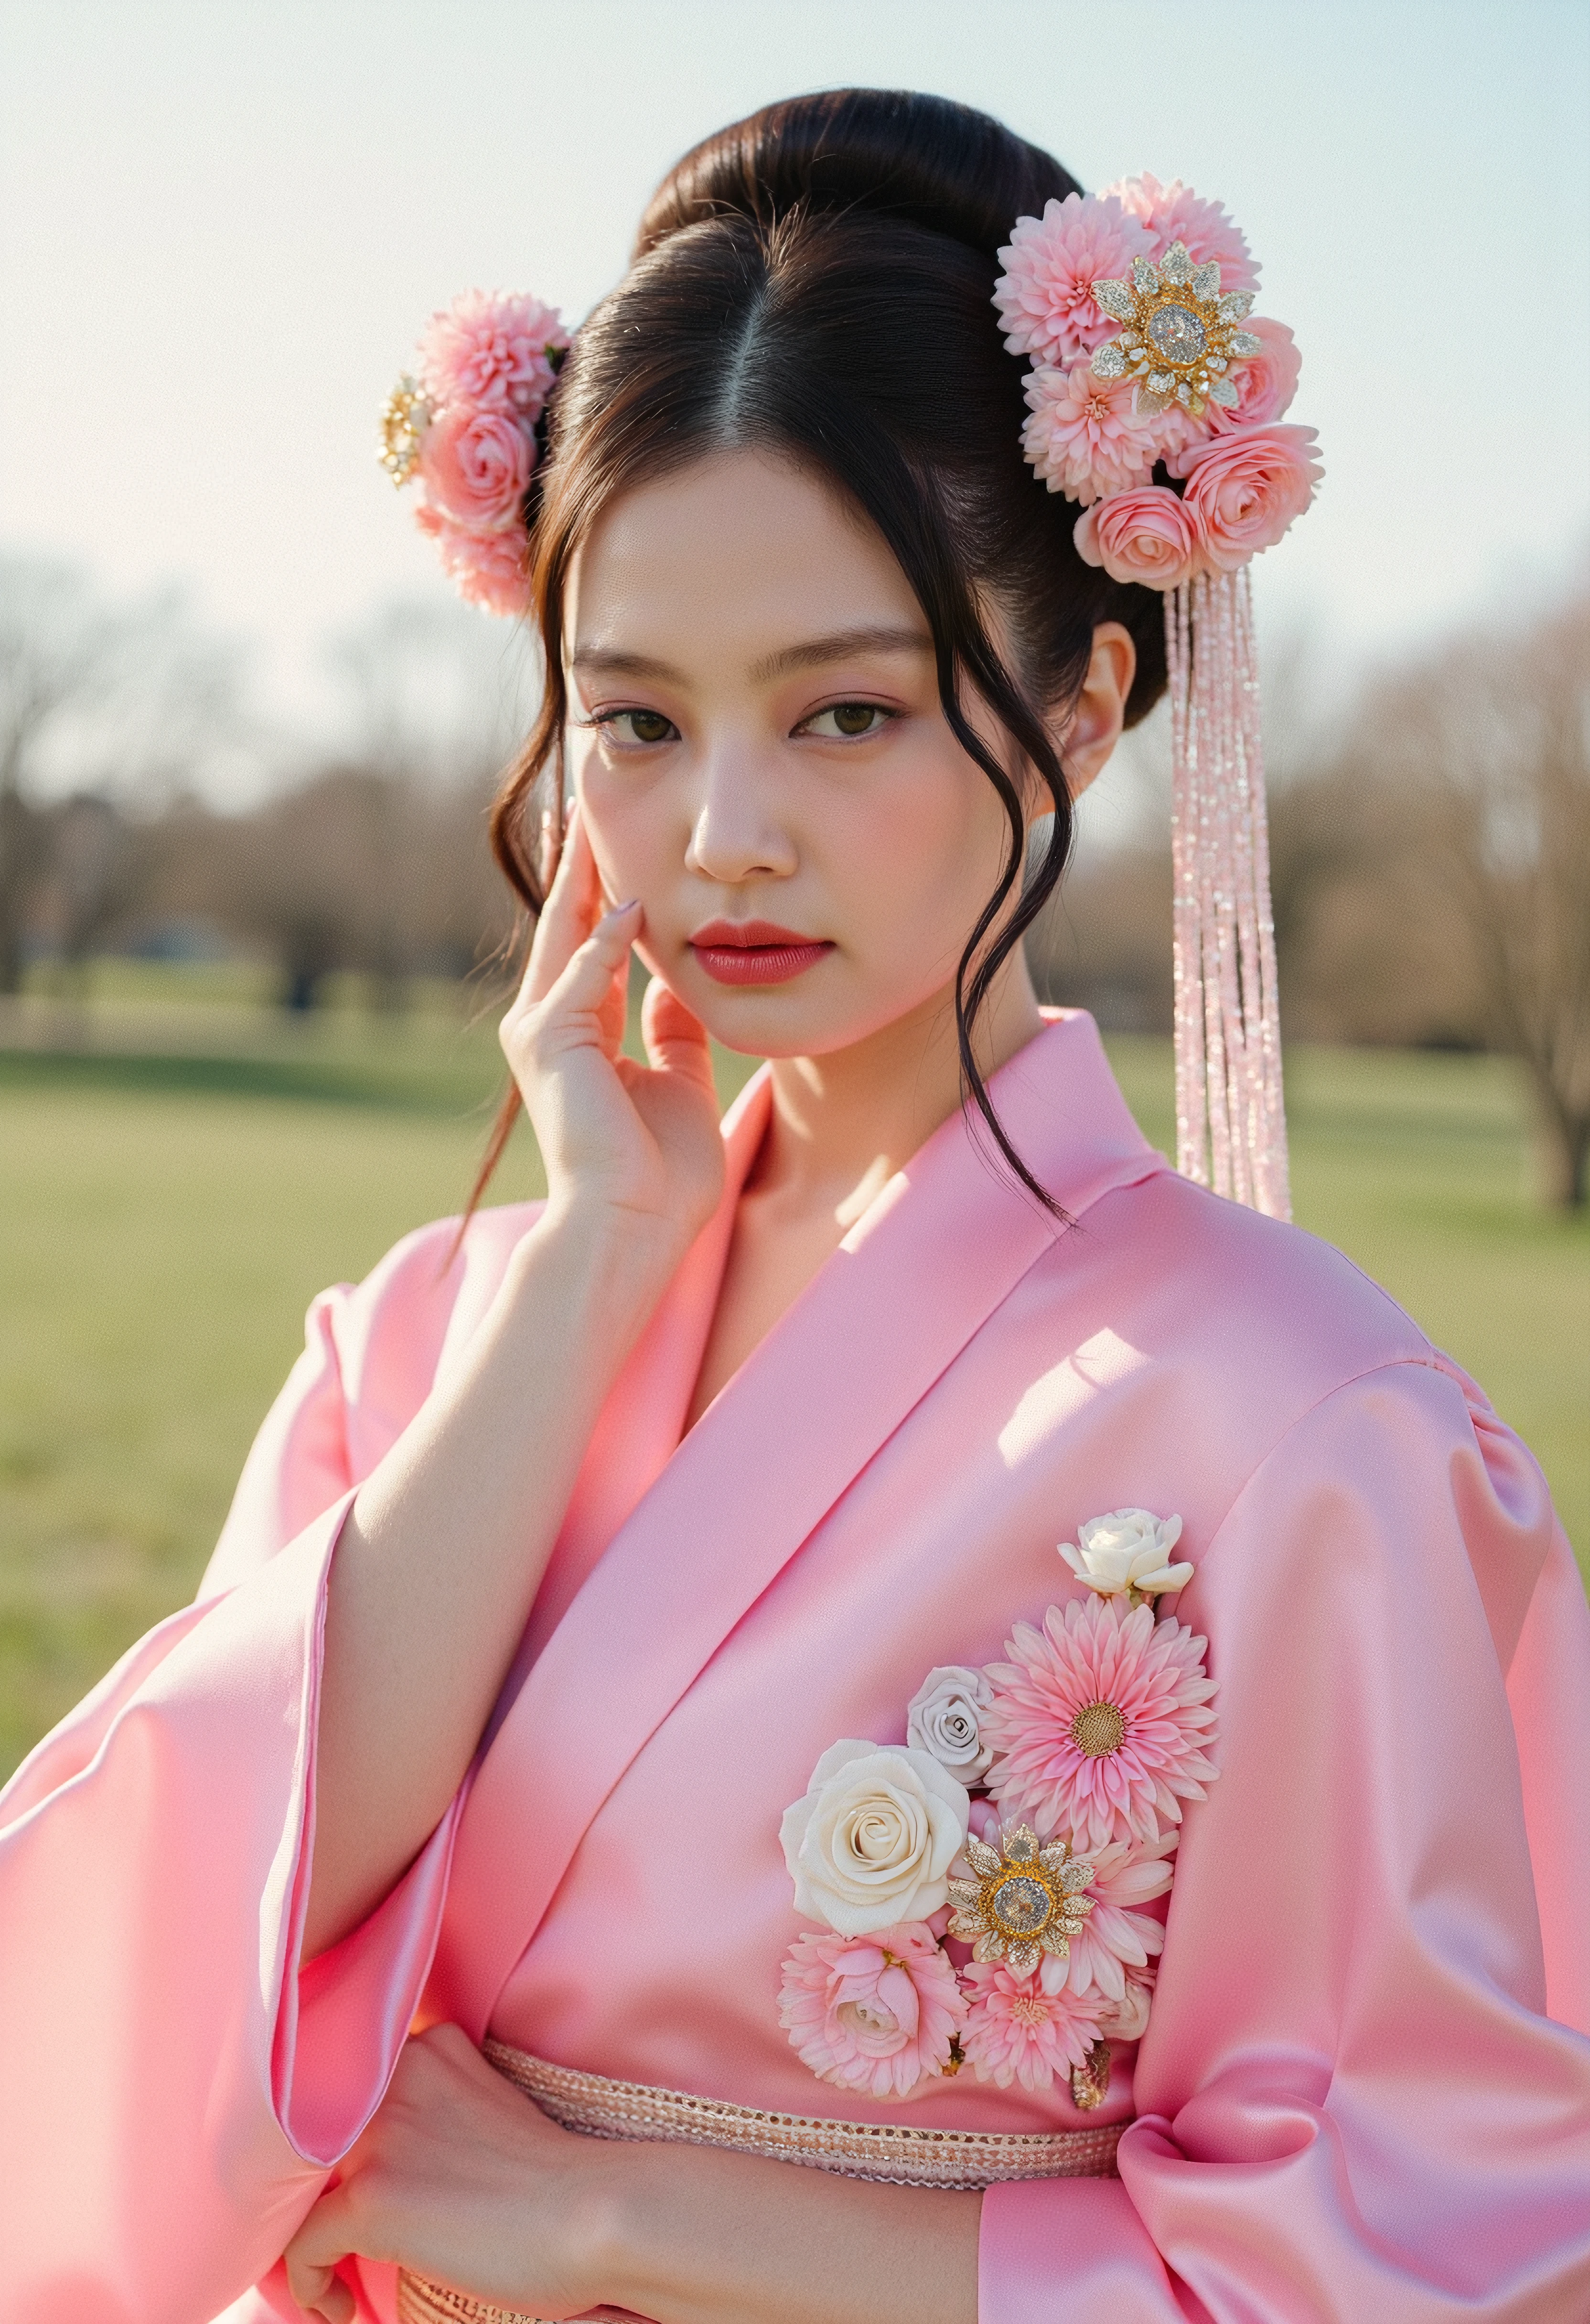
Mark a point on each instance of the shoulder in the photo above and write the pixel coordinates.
(1254, 1295)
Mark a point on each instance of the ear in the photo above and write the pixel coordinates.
(1092, 726)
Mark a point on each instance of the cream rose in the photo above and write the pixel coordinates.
(943, 1717)
(1127, 1554)
(872, 1841)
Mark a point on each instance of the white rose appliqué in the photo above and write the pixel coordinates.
(1127, 1555)
(944, 1718)
(872, 1841)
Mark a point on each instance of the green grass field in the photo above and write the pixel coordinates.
(173, 1196)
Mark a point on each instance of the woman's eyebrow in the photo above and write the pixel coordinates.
(613, 661)
(838, 646)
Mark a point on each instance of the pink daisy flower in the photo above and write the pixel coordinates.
(876, 2013)
(1083, 438)
(1174, 213)
(1016, 2031)
(1045, 296)
(489, 348)
(1116, 1942)
(1100, 1718)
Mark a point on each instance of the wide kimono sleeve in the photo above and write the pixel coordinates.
(173, 2086)
(1364, 2091)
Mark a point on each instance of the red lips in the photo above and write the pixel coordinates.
(754, 952)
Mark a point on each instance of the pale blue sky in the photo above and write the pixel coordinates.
(221, 225)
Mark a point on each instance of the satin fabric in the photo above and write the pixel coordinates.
(1364, 2091)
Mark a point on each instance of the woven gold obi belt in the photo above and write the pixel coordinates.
(903, 2154)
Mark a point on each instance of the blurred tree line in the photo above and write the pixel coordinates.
(1430, 841)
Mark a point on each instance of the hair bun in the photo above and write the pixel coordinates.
(924, 159)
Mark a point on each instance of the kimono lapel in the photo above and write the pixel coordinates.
(935, 1254)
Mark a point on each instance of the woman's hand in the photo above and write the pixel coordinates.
(639, 1142)
(462, 2178)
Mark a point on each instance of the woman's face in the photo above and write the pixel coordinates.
(757, 744)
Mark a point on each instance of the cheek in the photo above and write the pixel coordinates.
(924, 854)
(628, 822)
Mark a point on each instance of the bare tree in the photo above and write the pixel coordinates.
(1492, 742)
(54, 646)
(119, 707)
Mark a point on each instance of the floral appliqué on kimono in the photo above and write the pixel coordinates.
(1034, 1808)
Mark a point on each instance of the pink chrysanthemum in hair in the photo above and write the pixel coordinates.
(1174, 213)
(1117, 1941)
(487, 568)
(489, 348)
(875, 2013)
(1017, 2032)
(1083, 438)
(1101, 1722)
(1044, 298)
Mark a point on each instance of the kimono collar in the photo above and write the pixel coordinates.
(936, 1252)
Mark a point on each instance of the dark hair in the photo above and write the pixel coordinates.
(818, 279)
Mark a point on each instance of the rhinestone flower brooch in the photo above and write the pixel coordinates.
(1180, 335)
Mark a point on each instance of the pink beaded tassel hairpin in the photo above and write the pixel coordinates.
(1155, 394)
(1154, 401)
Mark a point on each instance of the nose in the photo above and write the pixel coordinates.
(736, 835)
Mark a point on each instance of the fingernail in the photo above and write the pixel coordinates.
(618, 909)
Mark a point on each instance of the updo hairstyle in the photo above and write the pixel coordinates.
(817, 279)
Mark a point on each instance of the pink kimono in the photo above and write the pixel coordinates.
(1364, 2090)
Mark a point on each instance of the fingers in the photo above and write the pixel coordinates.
(573, 907)
(676, 1038)
(589, 980)
(311, 2260)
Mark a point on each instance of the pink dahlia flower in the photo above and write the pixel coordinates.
(874, 2013)
(475, 466)
(1265, 383)
(1244, 490)
(1017, 2032)
(1117, 1941)
(1145, 536)
(488, 569)
(1100, 1718)
(1083, 438)
(1045, 296)
(489, 348)
(1174, 213)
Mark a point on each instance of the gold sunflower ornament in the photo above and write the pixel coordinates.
(1025, 1902)
(1181, 337)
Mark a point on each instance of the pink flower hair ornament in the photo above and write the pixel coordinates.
(1154, 398)
(463, 427)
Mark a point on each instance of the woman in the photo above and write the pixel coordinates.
(558, 1689)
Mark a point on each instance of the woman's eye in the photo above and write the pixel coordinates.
(639, 725)
(848, 721)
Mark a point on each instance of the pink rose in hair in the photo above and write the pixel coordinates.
(475, 466)
(874, 2013)
(1243, 490)
(488, 569)
(489, 348)
(1084, 438)
(1045, 295)
(1174, 213)
(1146, 536)
(1265, 383)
